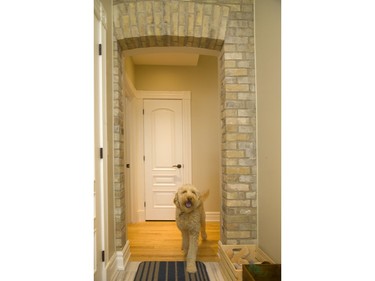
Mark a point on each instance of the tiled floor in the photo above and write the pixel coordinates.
(213, 271)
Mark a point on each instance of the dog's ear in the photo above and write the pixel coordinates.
(175, 200)
(203, 196)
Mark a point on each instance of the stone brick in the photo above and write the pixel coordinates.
(231, 128)
(234, 104)
(237, 219)
(238, 234)
(229, 97)
(236, 87)
(237, 40)
(246, 129)
(237, 187)
(234, 153)
(237, 137)
(254, 203)
(246, 96)
(230, 64)
(230, 145)
(244, 80)
(238, 203)
(230, 162)
(238, 170)
(245, 63)
(251, 195)
(244, 162)
(234, 195)
(246, 179)
(238, 120)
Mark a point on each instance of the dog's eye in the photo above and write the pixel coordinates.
(194, 192)
(184, 191)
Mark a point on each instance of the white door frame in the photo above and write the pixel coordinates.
(135, 124)
(100, 129)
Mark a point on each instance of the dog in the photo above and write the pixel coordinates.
(190, 220)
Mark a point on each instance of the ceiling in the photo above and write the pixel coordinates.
(166, 58)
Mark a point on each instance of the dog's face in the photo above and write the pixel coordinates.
(187, 198)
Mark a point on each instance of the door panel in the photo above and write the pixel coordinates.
(163, 135)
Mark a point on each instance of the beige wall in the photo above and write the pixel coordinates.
(202, 81)
(268, 81)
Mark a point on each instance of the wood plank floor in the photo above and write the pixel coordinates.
(161, 241)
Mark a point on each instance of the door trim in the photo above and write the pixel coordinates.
(135, 123)
(100, 141)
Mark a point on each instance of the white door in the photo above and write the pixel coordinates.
(164, 156)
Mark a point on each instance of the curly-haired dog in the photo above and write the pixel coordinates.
(190, 219)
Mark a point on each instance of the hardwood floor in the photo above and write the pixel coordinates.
(161, 241)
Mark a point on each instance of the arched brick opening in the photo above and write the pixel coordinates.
(226, 27)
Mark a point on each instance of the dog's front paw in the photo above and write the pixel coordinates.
(190, 267)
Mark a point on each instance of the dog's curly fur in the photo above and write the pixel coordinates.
(190, 219)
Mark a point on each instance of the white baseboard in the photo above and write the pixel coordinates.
(111, 268)
(212, 216)
(118, 261)
(122, 257)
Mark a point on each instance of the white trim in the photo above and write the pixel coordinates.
(130, 91)
(111, 268)
(213, 216)
(101, 189)
(186, 136)
(122, 257)
(131, 122)
(141, 215)
(104, 142)
(183, 95)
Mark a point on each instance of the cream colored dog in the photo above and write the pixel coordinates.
(190, 219)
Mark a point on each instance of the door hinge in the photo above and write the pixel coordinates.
(103, 256)
(144, 158)
(101, 153)
(144, 204)
(100, 49)
(143, 111)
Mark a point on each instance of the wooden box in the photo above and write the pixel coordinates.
(229, 270)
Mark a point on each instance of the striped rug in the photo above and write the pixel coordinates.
(169, 271)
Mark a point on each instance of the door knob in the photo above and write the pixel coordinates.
(177, 166)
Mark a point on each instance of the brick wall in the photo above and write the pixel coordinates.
(226, 26)
(118, 149)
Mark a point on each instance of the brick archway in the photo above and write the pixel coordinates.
(225, 27)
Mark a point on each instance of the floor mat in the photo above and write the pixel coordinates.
(170, 271)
